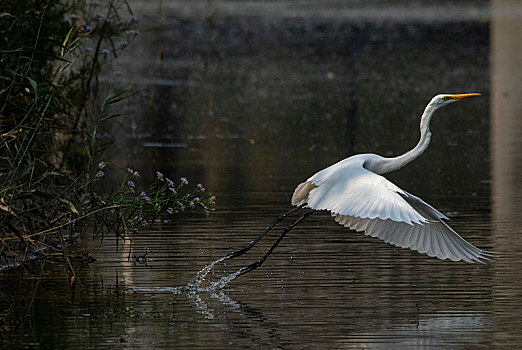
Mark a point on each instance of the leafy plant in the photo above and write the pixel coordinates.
(53, 108)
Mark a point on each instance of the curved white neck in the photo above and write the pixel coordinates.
(390, 164)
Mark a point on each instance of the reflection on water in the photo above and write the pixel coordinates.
(251, 106)
(506, 160)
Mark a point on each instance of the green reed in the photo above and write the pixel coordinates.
(53, 108)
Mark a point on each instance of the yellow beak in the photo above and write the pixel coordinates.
(461, 96)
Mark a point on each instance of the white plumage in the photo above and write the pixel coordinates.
(361, 199)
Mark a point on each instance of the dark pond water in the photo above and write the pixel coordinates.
(252, 105)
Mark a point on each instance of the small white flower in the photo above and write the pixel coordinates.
(133, 173)
(132, 32)
(200, 186)
(101, 165)
(170, 210)
(159, 176)
(184, 180)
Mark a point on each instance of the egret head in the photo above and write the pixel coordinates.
(444, 99)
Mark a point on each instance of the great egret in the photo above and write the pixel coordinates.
(359, 198)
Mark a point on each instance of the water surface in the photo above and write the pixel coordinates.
(251, 106)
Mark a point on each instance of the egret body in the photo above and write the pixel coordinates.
(356, 194)
(360, 198)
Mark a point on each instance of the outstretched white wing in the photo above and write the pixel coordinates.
(364, 201)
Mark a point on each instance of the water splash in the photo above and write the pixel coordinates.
(200, 276)
(215, 290)
(224, 299)
(224, 281)
(193, 290)
(199, 305)
(173, 290)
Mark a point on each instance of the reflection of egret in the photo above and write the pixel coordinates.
(356, 194)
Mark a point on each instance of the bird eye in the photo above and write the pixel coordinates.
(445, 98)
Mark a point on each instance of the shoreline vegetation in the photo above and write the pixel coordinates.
(54, 113)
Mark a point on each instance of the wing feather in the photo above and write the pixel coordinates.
(434, 249)
(435, 239)
(461, 249)
(364, 201)
(408, 237)
(357, 192)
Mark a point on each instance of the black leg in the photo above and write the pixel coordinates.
(259, 262)
(269, 227)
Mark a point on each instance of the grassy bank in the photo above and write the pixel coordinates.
(53, 116)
